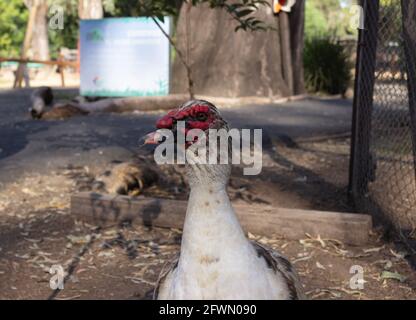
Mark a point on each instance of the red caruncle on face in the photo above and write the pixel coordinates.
(195, 117)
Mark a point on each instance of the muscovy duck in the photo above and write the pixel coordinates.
(42, 106)
(217, 260)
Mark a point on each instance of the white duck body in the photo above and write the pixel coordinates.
(216, 260)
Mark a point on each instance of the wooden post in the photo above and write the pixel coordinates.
(286, 50)
(297, 35)
(61, 70)
(26, 45)
(90, 9)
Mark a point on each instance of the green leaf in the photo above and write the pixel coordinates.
(244, 12)
(393, 275)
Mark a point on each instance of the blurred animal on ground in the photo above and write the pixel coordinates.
(126, 179)
(42, 106)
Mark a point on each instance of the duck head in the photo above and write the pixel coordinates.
(191, 123)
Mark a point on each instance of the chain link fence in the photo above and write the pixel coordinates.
(383, 147)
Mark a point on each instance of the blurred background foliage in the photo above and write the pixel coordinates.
(327, 66)
(327, 60)
(68, 37)
(329, 18)
(13, 19)
(14, 15)
(323, 18)
(326, 23)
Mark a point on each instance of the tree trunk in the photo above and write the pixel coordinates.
(22, 68)
(235, 64)
(39, 48)
(287, 63)
(90, 9)
(297, 32)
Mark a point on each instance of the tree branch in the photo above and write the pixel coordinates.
(181, 57)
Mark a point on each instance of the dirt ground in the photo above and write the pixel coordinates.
(123, 262)
(39, 77)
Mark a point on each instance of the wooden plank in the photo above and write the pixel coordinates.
(104, 210)
(62, 63)
(130, 104)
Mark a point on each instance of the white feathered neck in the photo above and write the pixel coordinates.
(210, 223)
(216, 260)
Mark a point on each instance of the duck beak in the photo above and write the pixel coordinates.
(152, 138)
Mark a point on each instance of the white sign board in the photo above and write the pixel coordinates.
(124, 57)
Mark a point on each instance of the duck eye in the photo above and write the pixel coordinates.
(201, 116)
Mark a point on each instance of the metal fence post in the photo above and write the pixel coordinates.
(360, 157)
(409, 43)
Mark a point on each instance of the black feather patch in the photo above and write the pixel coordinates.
(281, 265)
(170, 267)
